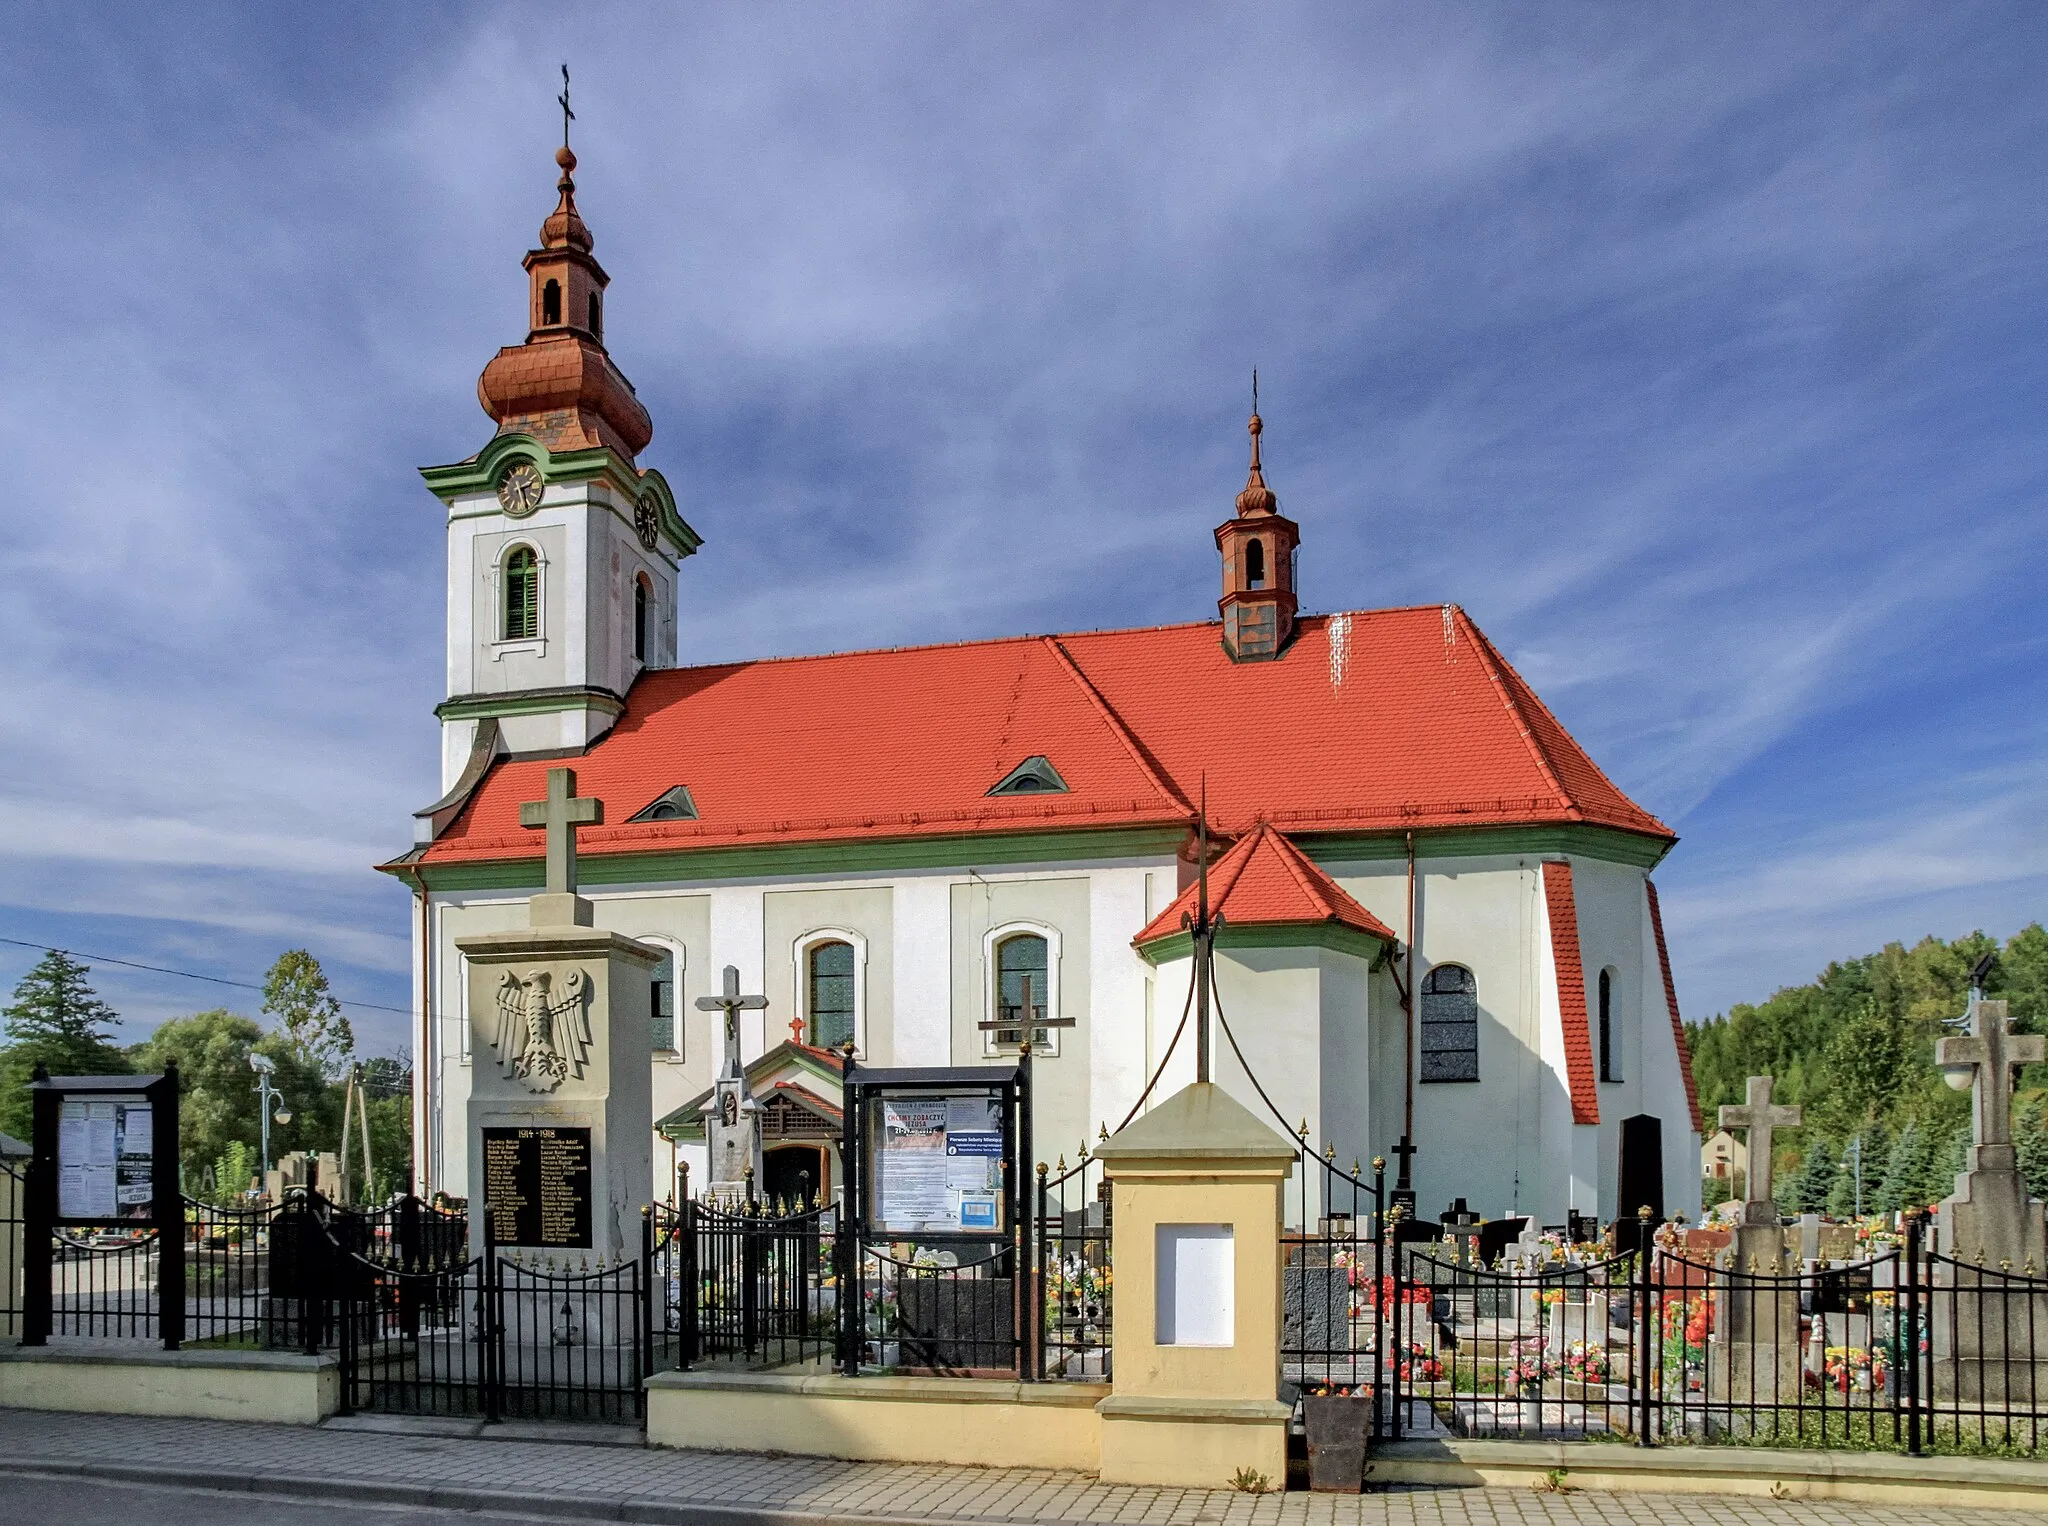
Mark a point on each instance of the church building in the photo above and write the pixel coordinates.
(1438, 915)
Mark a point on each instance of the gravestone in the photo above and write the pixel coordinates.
(1991, 1334)
(732, 1129)
(1754, 1355)
(957, 1324)
(561, 1106)
(1316, 1306)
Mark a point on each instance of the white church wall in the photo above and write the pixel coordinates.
(1273, 1001)
(1118, 899)
(542, 661)
(1057, 908)
(1347, 1017)
(1171, 982)
(922, 997)
(738, 938)
(1666, 1083)
(792, 920)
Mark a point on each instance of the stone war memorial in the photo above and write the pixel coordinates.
(560, 1115)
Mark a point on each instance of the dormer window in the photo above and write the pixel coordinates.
(1034, 776)
(671, 805)
(551, 303)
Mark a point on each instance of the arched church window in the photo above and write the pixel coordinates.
(596, 316)
(1255, 564)
(640, 618)
(1018, 959)
(668, 1036)
(1610, 1051)
(522, 595)
(1450, 1025)
(830, 994)
(551, 303)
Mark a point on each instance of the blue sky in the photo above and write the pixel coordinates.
(1697, 350)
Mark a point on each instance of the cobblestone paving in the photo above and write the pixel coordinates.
(358, 1462)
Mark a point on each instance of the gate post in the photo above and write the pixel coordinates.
(39, 1215)
(1906, 1333)
(1382, 1410)
(1197, 1190)
(1646, 1327)
(646, 1300)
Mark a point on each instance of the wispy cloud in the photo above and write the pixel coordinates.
(1700, 355)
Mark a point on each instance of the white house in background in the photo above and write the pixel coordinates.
(890, 843)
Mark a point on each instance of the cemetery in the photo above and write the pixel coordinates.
(1200, 1296)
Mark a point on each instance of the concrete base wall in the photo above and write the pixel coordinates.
(200, 1385)
(1191, 1443)
(879, 1419)
(1869, 1477)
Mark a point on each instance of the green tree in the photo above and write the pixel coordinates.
(1808, 1190)
(1903, 1168)
(58, 1021)
(217, 1105)
(295, 993)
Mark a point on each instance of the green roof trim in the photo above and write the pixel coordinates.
(1541, 840)
(773, 860)
(529, 702)
(1330, 935)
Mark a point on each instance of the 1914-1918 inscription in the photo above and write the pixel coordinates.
(537, 1186)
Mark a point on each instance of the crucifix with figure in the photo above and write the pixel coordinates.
(732, 1129)
(732, 1004)
(560, 815)
(1760, 1119)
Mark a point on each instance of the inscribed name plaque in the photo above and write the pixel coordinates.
(105, 1159)
(537, 1187)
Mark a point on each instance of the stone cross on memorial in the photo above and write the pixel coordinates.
(1760, 1119)
(732, 1004)
(560, 815)
(1992, 1053)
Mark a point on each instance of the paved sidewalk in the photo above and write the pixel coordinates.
(600, 1482)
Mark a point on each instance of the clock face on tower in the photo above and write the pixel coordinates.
(647, 520)
(519, 489)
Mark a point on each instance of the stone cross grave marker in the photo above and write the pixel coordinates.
(733, 1131)
(1759, 1119)
(1462, 1226)
(561, 814)
(732, 1004)
(1992, 1053)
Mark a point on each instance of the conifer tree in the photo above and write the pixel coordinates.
(1808, 1190)
(58, 1021)
(1901, 1171)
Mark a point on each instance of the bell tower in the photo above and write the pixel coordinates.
(1258, 565)
(563, 551)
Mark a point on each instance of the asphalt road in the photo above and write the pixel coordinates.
(83, 1502)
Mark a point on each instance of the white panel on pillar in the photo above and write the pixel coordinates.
(1196, 1296)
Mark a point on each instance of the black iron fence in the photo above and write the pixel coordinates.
(1076, 1288)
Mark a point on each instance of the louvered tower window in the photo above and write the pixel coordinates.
(522, 595)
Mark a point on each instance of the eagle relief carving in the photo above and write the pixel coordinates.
(543, 1028)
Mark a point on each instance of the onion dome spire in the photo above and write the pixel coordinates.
(1257, 498)
(564, 228)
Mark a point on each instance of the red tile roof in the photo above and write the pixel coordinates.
(1571, 990)
(1385, 720)
(1692, 1091)
(1265, 881)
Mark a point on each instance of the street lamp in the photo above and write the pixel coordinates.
(265, 1067)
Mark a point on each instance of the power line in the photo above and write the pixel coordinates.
(158, 969)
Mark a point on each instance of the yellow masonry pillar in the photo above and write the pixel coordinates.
(1196, 1210)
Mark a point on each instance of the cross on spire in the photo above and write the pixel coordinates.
(732, 1004)
(561, 814)
(1760, 1119)
(562, 100)
(1992, 1052)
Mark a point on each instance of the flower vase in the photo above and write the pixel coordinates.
(1532, 1409)
(1337, 1425)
